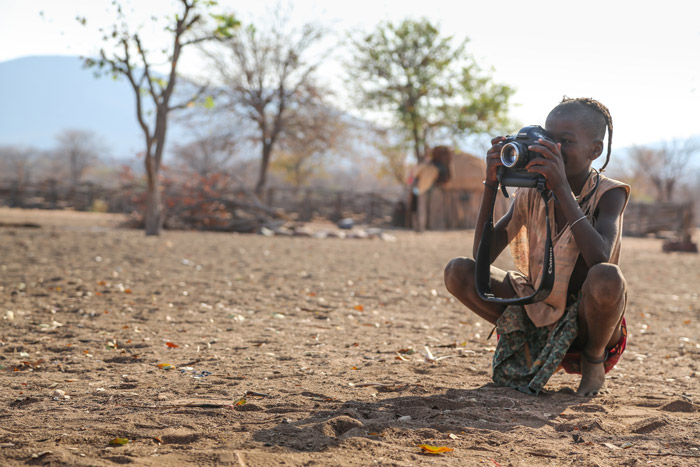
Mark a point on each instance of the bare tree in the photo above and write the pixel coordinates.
(207, 154)
(133, 61)
(312, 134)
(79, 149)
(269, 77)
(17, 165)
(664, 166)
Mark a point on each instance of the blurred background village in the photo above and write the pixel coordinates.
(275, 122)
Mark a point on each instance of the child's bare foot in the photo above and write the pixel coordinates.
(592, 375)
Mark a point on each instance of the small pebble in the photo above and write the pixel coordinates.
(59, 394)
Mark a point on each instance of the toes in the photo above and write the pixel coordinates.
(590, 393)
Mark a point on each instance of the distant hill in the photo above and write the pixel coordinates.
(43, 95)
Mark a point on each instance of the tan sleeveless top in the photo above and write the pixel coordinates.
(526, 237)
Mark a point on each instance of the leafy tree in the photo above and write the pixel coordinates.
(132, 60)
(430, 87)
(269, 75)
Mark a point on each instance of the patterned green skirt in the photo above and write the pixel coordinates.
(527, 356)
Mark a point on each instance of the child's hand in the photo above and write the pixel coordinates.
(493, 160)
(550, 165)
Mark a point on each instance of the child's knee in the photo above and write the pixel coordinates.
(457, 272)
(606, 282)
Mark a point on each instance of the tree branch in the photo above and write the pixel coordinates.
(200, 92)
(146, 69)
(129, 73)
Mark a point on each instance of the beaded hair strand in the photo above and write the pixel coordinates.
(593, 104)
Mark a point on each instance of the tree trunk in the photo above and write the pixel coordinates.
(669, 190)
(264, 164)
(154, 208)
(421, 219)
(153, 218)
(416, 142)
(415, 128)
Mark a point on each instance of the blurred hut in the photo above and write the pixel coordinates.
(445, 191)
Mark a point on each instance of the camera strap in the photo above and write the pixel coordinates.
(483, 260)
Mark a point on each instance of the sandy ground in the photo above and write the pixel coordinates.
(244, 350)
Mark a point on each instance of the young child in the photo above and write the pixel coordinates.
(580, 326)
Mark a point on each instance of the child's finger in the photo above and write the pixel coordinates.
(552, 146)
(538, 165)
(552, 153)
(544, 151)
(539, 169)
(547, 143)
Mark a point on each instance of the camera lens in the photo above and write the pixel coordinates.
(510, 154)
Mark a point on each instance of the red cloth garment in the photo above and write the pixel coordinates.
(572, 360)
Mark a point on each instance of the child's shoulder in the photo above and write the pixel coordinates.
(606, 184)
(612, 183)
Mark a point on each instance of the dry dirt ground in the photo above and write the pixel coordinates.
(244, 350)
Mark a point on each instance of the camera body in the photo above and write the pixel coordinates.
(515, 155)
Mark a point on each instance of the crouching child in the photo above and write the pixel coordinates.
(580, 326)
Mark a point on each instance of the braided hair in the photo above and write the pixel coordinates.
(596, 123)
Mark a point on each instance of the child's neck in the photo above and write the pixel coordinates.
(579, 181)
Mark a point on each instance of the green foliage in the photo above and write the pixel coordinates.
(160, 82)
(429, 87)
(135, 56)
(225, 25)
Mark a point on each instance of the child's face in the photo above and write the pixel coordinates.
(578, 146)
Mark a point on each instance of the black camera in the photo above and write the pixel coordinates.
(515, 155)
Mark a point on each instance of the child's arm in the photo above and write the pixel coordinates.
(500, 237)
(595, 243)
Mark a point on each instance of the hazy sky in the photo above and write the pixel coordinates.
(643, 62)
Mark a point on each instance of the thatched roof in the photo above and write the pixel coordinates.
(467, 172)
(455, 203)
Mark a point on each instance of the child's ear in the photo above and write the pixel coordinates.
(597, 149)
